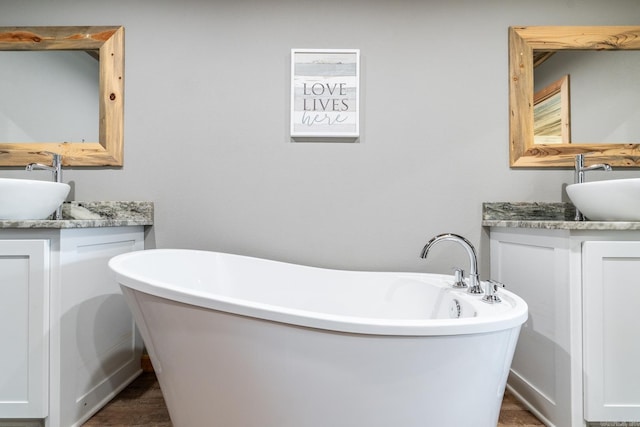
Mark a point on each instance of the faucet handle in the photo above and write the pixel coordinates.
(458, 278)
(496, 285)
(490, 296)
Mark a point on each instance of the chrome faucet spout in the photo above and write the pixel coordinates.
(474, 285)
(579, 170)
(474, 278)
(39, 166)
(55, 168)
(56, 171)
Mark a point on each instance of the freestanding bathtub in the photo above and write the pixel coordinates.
(246, 342)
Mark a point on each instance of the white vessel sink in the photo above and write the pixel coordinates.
(30, 199)
(613, 200)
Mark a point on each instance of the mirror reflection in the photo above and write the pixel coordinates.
(604, 96)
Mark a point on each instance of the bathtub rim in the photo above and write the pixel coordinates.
(318, 320)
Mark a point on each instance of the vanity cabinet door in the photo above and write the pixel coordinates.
(611, 315)
(24, 327)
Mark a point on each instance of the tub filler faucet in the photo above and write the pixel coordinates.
(56, 171)
(474, 279)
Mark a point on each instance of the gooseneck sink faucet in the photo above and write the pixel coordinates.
(56, 171)
(580, 169)
(55, 168)
(474, 278)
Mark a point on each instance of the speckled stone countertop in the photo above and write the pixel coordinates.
(92, 215)
(545, 215)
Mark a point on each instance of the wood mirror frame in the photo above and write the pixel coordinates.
(524, 42)
(109, 43)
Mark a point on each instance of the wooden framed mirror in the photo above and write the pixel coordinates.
(105, 43)
(531, 46)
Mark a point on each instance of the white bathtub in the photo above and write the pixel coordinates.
(246, 342)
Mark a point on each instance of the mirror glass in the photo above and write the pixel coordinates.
(49, 96)
(604, 96)
(62, 91)
(598, 106)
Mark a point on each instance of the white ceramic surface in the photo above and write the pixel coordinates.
(251, 342)
(24, 199)
(612, 200)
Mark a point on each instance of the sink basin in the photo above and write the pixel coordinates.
(30, 199)
(613, 200)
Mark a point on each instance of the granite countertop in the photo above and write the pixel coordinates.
(545, 215)
(92, 215)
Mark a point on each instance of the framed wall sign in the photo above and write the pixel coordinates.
(551, 118)
(325, 93)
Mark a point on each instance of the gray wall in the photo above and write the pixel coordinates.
(206, 123)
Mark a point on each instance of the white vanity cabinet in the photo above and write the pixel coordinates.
(576, 361)
(69, 342)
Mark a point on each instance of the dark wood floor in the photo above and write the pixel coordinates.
(141, 405)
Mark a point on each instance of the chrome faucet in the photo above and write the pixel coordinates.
(55, 169)
(474, 278)
(580, 169)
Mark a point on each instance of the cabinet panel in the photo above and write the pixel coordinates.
(535, 356)
(611, 339)
(100, 346)
(533, 266)
(24, 317)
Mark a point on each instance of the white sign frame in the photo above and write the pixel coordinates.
(325, 93)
